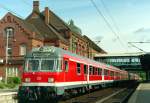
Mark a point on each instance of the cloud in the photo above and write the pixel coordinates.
(138, 30)
(98, 38)
(141, 35)
(142, 30)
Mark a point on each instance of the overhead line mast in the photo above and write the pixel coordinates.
(131, 43)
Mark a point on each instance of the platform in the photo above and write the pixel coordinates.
(142, 94)
(8, 97)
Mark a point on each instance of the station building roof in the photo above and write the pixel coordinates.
(119, 54)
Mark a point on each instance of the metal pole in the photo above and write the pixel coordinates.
(7, 34)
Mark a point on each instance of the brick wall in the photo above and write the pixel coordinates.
(20, 36)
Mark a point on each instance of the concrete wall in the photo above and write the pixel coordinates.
(8, 97)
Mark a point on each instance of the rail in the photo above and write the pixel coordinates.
(104, 99)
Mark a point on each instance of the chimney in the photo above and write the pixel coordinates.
(36, 6)
(47, 15)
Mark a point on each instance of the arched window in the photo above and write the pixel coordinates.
(9, 50)
(9, 31)
(9, 19)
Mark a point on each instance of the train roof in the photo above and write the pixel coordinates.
(59, 52)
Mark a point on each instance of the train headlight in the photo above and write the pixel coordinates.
(50, 80)
(27, 80)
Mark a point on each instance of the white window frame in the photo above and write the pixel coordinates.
(22, 50)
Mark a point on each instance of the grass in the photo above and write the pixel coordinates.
(7, 86)
(11, 83)
(2, 85)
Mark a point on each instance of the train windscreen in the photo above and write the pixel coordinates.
(33, 65)
(47, 65)
(41, 65)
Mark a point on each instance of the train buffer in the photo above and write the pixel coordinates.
(141, 95)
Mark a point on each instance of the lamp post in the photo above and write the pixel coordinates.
(6, 57)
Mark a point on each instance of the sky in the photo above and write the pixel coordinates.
(129, 20)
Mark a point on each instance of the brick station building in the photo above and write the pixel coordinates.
(38, 29)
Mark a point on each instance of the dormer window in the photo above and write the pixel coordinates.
(10, 32)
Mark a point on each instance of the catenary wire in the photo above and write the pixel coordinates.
(113, 21)
(107, 23)
(9, 10)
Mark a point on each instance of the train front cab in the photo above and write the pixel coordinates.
(40, 77)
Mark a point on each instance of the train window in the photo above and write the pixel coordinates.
(85, 69)
(105, 72)
(99, 71)
(117, 74)
(47, 65)
(111, 73)
(78, 68)
(114, 73)
(95, 72)
(33, 65)
(91, 69)
(66, 65)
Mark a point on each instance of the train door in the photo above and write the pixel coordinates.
(85, 72)
(102, 73)
(65, 68)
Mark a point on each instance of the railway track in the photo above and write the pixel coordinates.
(107, 95)
(121, 97)
(92, 97)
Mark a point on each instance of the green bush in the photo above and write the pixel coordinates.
(10, 85)
(14, 80)
(9, 80)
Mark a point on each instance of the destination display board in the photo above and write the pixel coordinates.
(43, 54)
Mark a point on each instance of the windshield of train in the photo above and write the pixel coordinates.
(42, 65)
(47, 65)
(33, 65)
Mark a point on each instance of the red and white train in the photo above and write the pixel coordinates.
(52, 71)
